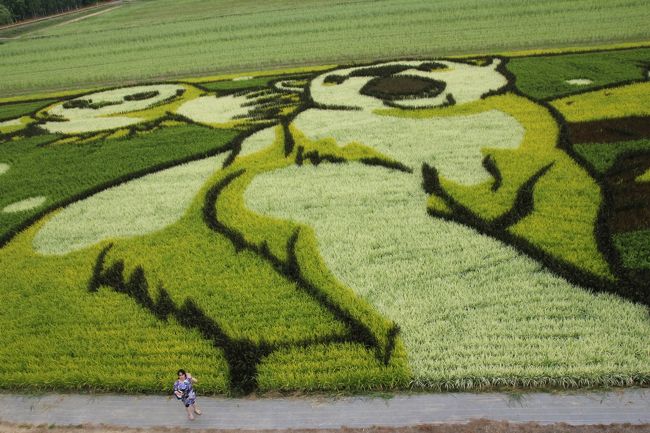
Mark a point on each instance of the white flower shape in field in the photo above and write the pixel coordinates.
(408, 84)
(101, 111)
(218, 110)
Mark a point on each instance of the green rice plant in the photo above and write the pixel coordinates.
(467, 305)
(18, 109)
(321, 249)
(12, 126)
(624, 101)
(255, 309)
(290, 248)
(134, 208)
(335, 367)
(634, 248)
(561, 227)
(245, 83)
(40, 169)
(602, 156)
(70, 339)
(173, 38)
(548, 77)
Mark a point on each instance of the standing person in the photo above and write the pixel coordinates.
(184, 391)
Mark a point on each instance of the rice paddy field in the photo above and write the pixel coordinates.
(438, 223)
(154, 39)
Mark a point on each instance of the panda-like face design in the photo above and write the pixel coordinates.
(408, 84)
(101, 111)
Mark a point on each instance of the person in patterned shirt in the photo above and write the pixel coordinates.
(184, 391)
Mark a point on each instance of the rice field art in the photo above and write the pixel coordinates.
(441, 224)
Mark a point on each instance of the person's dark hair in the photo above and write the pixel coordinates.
(181, 371)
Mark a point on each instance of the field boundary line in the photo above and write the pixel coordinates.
(74, 20)
(586, 408)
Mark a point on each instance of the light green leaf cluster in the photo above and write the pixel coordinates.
(134, 208)
(7, 123)
(273, 234)
(4, 168)
(468, 306)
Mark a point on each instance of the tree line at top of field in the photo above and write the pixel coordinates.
(18, 10)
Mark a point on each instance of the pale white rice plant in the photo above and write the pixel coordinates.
(259, 141)
(25, 205)
(451, 144)
(466, 83)
(135, 208)
(467, 304)
(83, 120)
(217, 110)
(579, 81)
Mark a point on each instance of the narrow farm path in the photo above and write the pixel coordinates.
(624, 406)
(74, 20)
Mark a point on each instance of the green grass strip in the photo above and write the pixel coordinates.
(634, 248)
(546, 76)
(10, 111)
(603, 155)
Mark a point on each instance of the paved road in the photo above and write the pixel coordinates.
(628, 406)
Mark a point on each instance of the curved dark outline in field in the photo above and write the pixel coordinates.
(243, 356)
(612, 187)
(33, 130)
(622, 287)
